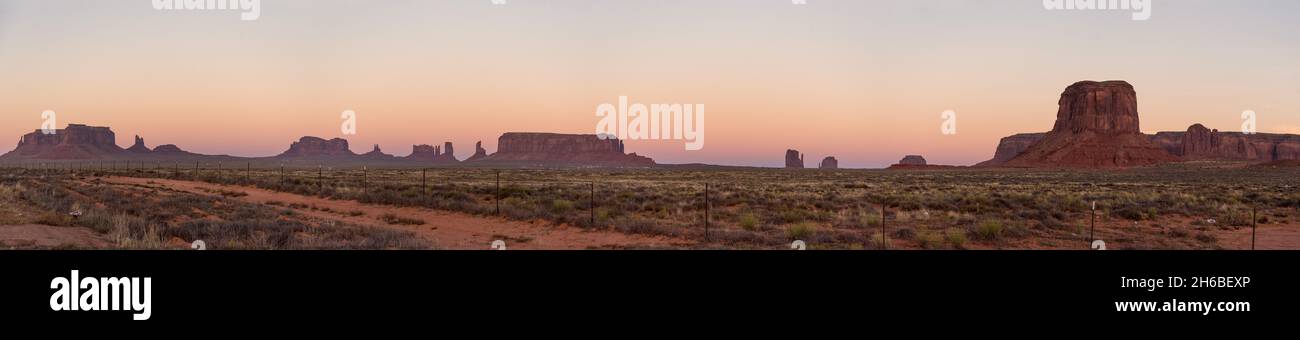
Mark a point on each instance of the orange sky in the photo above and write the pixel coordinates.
(864, 81)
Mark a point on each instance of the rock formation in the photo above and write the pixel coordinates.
(1011, 146)
(376, 153)
(563, 149)
(437, 154)
(829, 163)
(793, 159)
(913, 160)
(169, 149)
(1096, 126)
(74, 142)
(138, 147)
(479, 152)
(318, 147)
(1202, 143)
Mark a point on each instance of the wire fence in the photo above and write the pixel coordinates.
(695, 207)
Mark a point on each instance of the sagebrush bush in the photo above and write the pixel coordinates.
(989, 230)
(748, 221)
(800, 231)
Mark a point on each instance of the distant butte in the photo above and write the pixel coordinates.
(1097, 127)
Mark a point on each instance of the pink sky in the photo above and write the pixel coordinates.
(864, 81)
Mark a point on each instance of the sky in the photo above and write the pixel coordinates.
(864, 81)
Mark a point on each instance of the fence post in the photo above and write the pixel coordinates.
(1092, 233)
(884, 228)
(424, 189)
(593, 204)
(706, 212)
(365, 188)
(281, 176)
(248, 172)
(1253, 221)
(320, 179)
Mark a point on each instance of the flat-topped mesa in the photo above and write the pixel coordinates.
(479, 152)
(912, 160)
(1108, 107)
(793, 159)
(563, 149)
(829, 163)
(1096, 126)
(74, 142)
(318, 147)
(429, 153)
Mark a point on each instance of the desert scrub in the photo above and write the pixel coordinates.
(905, 233)
(800, 231)
(748, 222)
(956, 238)
(561, 206)
(400, 220)
(989, 230)
(929, 240)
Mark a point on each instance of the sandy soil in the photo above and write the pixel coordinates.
(32, 236)
(447, 230)
(1267, 237)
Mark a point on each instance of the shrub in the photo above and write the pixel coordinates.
(956, 238)
(989, 230)
(799, 231)
(1130, 213)
(905, 233)
(560, 206)
(748, 222)
(929, 240)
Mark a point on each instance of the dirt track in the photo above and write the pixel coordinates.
(42, 236)
(447, 230)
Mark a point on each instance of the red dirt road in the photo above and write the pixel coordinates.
(447, 230)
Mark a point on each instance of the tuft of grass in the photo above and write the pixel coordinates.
(989, 230)
(929, 240)
(560, 206)
(749, 222)
(800, 231)
(956, 238)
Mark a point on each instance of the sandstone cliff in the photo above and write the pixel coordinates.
(1011, 146)
(1096, 126)
(793, 159)
(139, 146)
(318, 147)
(562, 149)
(479, 152)
(74, 142)
(1202, 143)
(435, 154)
(829, 163)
